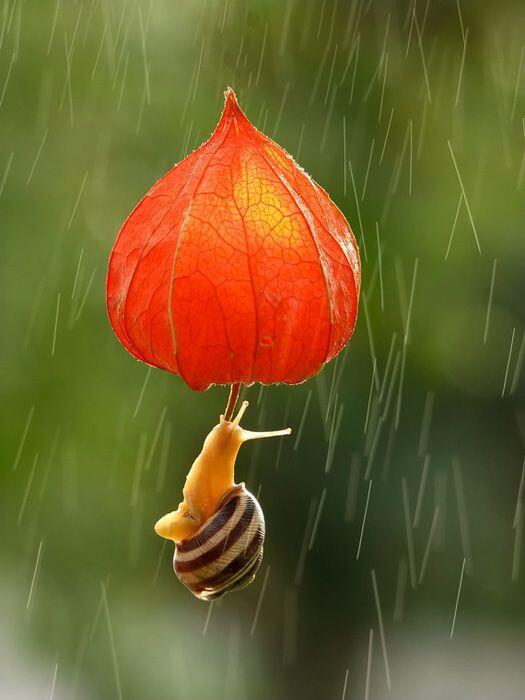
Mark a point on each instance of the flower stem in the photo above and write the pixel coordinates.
(235, 390)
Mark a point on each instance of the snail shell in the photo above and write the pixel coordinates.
(226, 551)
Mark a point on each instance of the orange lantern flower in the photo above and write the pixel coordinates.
(236, 267)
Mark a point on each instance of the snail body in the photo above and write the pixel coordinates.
(218, 528)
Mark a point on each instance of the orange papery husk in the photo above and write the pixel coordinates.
(235, 267)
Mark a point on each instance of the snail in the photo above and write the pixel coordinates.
(218, 528)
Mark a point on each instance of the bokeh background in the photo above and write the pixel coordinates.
(403, 472)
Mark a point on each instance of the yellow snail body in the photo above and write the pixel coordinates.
(218, 528)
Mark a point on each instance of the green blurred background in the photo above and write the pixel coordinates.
(376, 100)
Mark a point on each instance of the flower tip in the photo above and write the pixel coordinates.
(230, 96)
(231, 107)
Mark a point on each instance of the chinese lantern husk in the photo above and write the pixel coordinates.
(235, 267)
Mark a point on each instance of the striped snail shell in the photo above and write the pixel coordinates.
(226, 551)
